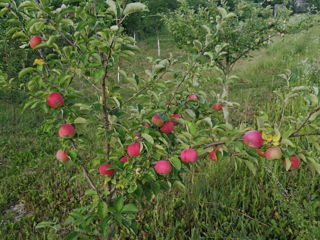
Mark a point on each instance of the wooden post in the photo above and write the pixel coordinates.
(158, 42)
(118, 76)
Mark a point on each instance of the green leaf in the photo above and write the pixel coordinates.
(98, 74)
(197, 44)
(176, 163)
(132, 187)
(112, 6)
(80, 120)
(25, 71)
(3, 12)
(191, 128)
(102, 209)
(19, 35)
(315, 166)
(130, 208)
(288, 163)
(29, 5)
(118, 204)
(190, 113)
(72, 236)
(223, 12)
(90, 192)
(287, 142)
(148, 138)
(134, 7)
(250, 166)
(44, 225)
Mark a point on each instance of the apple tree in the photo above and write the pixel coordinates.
(133, 139)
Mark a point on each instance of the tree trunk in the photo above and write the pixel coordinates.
(226, 93)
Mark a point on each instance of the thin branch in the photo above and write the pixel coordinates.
(305, 121)
(305, 134)
(139, 92)
(86, 174)
(282, 113)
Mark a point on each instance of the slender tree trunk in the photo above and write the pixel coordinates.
(226, 92)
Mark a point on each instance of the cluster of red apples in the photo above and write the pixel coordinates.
(253, 139)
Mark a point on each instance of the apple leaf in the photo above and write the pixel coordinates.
(130, 208)
(148, 138)
(134, 7)
(176, 163)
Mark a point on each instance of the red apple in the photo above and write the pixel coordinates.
(217, 107)
(189, 155)
(163, 167)
(173, 117)
(147, 125)
(213, 155)
(34, 41)
(261, 154)
(253, 139)
(295, 162)
(62, 156)
(71, 14)
(55, 100)
(124, 159)
(273, 153)
(103, 170)
(66, 131)
(192, 97)
(156, 120)
(134, 149)
(167, 127)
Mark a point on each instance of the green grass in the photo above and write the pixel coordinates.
(219, 202)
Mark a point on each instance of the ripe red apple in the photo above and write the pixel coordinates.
(167, 127)
(273, 153)
(253, 139)
(103, 170)
(192, 97)
(163, 167)
(261, 154)
(71, 14)
(156, 120)
(62, 156)
(66, 131)
(34, 41)
(217, 107)
(213, 155)
(124, 159)
(55, 100)
(189, 155)
(147, 125)
(134, 149)
(172, 118)
(295, 162)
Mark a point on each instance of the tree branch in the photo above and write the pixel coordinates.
(86, 174)
(305, 121)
